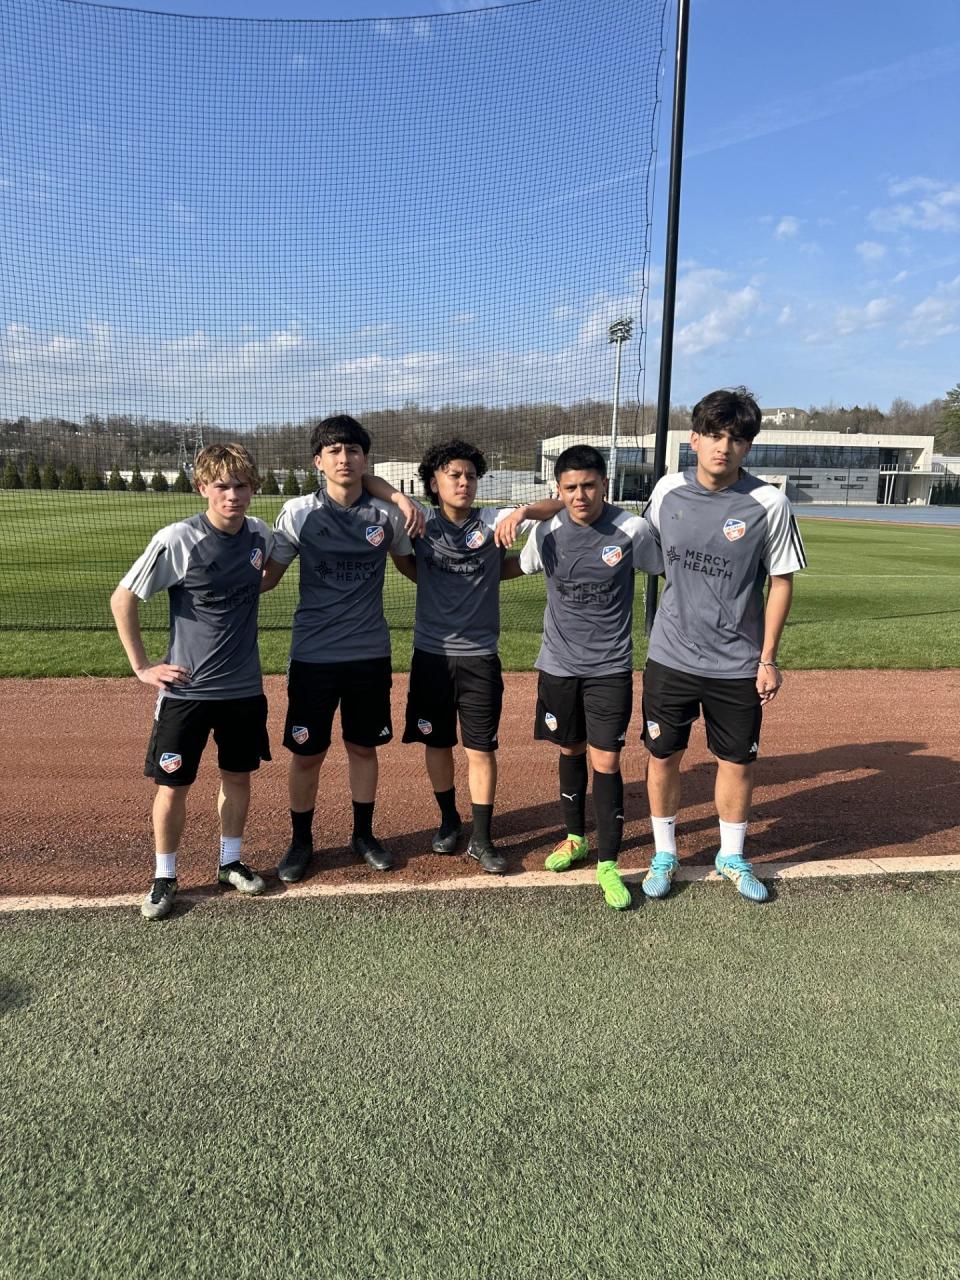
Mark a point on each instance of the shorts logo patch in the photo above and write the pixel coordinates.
(256, 558)
(425, 726)
(611, 555)
(475, 539)
(755, 748)
(299, 733)
(734, 529)
(374, 534)
(170, 761)
(653, 729)
(385, 731)
(550, 720)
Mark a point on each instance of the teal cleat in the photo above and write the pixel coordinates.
(735, 868)
(657, 881)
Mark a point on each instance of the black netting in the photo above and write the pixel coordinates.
(215, 229)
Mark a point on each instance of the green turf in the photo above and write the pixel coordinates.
(874, 596)
(488, 1085)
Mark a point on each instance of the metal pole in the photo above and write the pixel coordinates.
(670, 274)
(613, 426)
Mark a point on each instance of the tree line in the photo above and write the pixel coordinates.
(48, 477)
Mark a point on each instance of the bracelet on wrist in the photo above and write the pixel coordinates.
(768, 664)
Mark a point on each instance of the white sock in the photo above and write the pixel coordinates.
(166, 866)
(664, 834)
(230, 849)
(731, 838)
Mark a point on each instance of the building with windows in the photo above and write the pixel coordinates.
(810, 466)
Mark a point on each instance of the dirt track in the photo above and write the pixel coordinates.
(852, 763)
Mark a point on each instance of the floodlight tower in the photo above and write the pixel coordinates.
(619, 332)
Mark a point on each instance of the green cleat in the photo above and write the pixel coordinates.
(615, 892)
(573, 849)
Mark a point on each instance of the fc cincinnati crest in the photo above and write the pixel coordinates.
(653, 729)
(550, 720)
(474, 539)
(299, 733)
(374, 534)
(425, 726)
(734, 529)
(256, 558)
(611, 555)
(170, 762)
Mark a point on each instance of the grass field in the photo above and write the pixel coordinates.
(873, 596)
(453, 1085)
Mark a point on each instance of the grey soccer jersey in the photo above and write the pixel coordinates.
(213, 579)
(718, 548)
(458, 583)
(588, 623)
(343, 555)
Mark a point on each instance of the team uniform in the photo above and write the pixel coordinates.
(213, 581)
(718, 548)
(340, 649)
(585, 687)
(455, 670)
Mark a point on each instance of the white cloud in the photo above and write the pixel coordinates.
(404, 28)
(711, 313)
(787, 227)
(871, 316)
(937, 210)
(375, 330)
(464, 317)
(179, 212)
(786, 315)
(871, 251)
(936, 316)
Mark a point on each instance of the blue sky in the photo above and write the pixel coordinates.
(820, 227)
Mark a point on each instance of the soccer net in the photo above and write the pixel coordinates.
(216, 229)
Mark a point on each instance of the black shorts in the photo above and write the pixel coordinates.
(315, 689)
(181, 727)
(592, 709)
(732, 713)
(445, 686)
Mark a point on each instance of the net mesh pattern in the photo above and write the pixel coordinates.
(217, 229)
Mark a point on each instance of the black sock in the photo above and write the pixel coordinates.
(573, 792)
(363, 820)
(482, 813)
(608, 806)
(302, 824)
(447, 800)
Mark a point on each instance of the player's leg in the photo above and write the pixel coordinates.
(608, 706)
(431, 718)
(312, 696)
(479, 693)
(240, 732)
(180, 730)
(560, 719)
(732, 712)
(367, 725)
(671, 703)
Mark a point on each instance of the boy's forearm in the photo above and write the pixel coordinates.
(125, 607)
(779, 599)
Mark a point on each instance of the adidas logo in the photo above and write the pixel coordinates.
(385, 731)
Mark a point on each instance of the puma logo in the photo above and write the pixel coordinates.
(566, 797)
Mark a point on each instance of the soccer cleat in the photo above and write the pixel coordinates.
(295, 862)
(158, 903)
(240, 877)
(445, 841)
(573, 849)
(735, 867)
(657, 881)
(615, 892)
(372, 851)
(488, 855)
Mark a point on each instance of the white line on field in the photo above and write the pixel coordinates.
(826, 869)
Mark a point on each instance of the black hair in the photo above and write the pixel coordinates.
(732, 409)
(439, 456)
(338, 429)
(580, 457)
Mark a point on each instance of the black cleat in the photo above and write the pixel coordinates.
(489, 857)
(372, 852)
(295, 863)
(445, 841)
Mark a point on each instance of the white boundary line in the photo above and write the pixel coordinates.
(526, 880)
